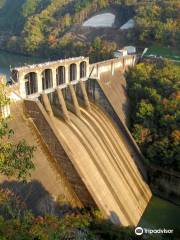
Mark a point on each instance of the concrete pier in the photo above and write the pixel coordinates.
(47, 105)
(85, 96)
(75, 101)
(63, 105)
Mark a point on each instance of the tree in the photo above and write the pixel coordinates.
(33, 35)
(29, 7)
(145, 111)
(15, 158)
(158, 21)
(101, 49)
(153, 89)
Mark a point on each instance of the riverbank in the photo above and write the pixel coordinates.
(165, 184)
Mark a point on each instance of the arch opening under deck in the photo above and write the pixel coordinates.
(73, 72)
(47, 81)
(60, 75)
(31, 83)
(83, 69)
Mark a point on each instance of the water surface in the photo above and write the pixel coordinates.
(8, 60)
(161, 213)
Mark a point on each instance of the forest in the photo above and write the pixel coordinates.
(159, 22)
(154, 92)
(41, 27)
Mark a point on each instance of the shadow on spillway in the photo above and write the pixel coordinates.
(105, 164)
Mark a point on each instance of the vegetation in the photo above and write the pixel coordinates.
(42, 24)
(158, 21)
(15, 158)
(154, 91)
(18, 223)
(43, 27)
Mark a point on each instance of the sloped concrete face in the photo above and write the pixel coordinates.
(104, 163)
(97, 153)
(110, 93)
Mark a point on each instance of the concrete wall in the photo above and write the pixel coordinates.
(92, 71)
(111, 65)
(5, 111)
(101, 97)
(55, 146)
(165, 184)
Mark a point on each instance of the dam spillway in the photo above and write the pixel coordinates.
(103, 161)
(84, 130)
(100, 156)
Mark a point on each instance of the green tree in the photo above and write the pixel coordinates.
(154, 91)
(15, 158)
(158, 21)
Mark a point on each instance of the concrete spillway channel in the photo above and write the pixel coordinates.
(104, 164)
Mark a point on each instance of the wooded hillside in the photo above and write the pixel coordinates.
(43, 27)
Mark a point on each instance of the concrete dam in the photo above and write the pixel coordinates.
(79, 111)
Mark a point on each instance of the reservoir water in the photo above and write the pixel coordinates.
(8, 60)
(159, 213)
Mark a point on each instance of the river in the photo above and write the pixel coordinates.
(159, 213)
